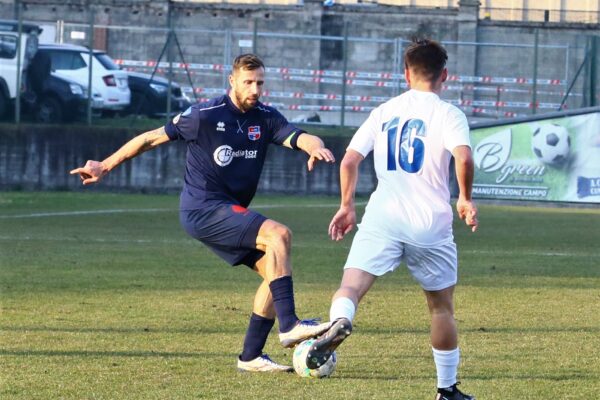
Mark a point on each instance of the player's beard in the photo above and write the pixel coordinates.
(246, 103)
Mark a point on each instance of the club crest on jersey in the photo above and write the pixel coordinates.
(254, 132)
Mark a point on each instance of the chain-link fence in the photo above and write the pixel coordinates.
(540, 15)
(334, 79)
(509, 79)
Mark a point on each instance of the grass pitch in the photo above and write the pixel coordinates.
(103, 296)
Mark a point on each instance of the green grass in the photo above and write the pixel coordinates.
(124, 305)
(143, 123)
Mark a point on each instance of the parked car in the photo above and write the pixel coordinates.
(110, 89)
(8, 58)
(149, 97)
(52, 98)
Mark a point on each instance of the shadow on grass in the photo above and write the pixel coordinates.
(473, 378)
(137, 330)
(534, 377)
(482, 330)
(211, 330)
(87, 353)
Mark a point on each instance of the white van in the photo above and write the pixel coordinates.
(9, 34)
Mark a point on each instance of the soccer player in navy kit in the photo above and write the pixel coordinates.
(227, 140)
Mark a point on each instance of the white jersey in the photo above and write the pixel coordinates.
(412, 137)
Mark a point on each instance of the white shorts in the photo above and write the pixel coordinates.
(434, 268)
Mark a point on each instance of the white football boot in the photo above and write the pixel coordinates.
(304, 329)
(262, 363)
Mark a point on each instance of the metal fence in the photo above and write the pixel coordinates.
(338, 80)
(359, 73)
(540, 15)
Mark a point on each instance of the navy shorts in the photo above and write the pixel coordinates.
(229, 230)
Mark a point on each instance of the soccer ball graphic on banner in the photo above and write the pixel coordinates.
(551, 144)
(299, 361)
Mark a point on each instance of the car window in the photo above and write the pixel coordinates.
(66, 60)
(8, 46)
(106, 61)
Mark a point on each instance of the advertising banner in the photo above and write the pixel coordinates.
(548, 160)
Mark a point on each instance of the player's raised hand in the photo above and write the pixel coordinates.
(467, 211)
(320, 154)
(342, 223)
(91, 172)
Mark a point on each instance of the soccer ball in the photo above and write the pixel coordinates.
(299, 361)
(551, 144)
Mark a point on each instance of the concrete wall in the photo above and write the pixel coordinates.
(34, 157)
(389, 22)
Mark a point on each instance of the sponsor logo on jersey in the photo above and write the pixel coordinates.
(221, 126)
(254, 132)
(224, 154)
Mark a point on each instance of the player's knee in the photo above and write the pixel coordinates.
(285, 234)
(280, 236)
(443, 310)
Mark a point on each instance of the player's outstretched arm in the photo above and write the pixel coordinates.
(345, 219)
(463, 161)
(93, 171)
(315, 148)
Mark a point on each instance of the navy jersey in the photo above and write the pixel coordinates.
(226, 149)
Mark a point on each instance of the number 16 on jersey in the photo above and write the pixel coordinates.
(412, 149)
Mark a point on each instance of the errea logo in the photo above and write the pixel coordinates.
(221, 126)
(224, 154)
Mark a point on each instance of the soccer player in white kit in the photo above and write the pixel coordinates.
(408, 218)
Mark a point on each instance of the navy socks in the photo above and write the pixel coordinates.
(256, 337)
(282, 290)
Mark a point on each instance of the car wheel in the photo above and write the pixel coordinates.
(49, 110)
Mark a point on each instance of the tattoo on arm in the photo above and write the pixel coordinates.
(150, 137)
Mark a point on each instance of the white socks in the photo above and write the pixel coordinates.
(446, 364)
(446, 361)
(342, 307)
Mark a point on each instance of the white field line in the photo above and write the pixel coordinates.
(186, 241)
(151, 210)
(331, 245)
(78, 213)
(260, 206)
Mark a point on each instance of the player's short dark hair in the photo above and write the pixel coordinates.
(425, 58)
(249, 62)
